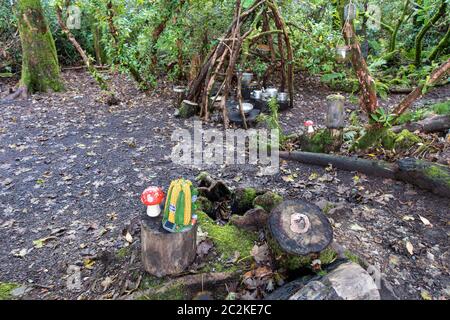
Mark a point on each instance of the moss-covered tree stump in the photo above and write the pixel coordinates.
(164, 253)
(300, 228)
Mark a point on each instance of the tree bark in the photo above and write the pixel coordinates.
(397, 27)
(432, 124)
(368, 100)
(40, 68)
(165, 253)
(424, 30)
(426, 175)
(440, 46)
(418, 92)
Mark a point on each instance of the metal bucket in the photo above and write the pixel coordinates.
(282, 97)
(247, 78)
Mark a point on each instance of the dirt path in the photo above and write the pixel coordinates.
(72, 170)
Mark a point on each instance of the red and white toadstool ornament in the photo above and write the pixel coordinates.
(152, 197)
(309, 124)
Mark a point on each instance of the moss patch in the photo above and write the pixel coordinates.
(177, 292)
(5, 290)
(318, 143)
(122, 253)
(294, 262)
(228, 238)
(242, 200)
(267, 201)
(352, 257)
(437, 172)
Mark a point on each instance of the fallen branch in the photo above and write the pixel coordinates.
(432, 124)
(426, 175)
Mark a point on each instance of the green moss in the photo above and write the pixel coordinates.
(5, 290)
(441, 108)
(319, 141)
(438, 172)
(371, 138)
(405, 140)
(294, 262)
(228, 238)
(203, 204)
(243, 200)
(177, 292)
(352, 257)
(151, 282)
(267, 201)
(122, 253)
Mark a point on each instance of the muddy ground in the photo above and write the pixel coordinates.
(72, 170)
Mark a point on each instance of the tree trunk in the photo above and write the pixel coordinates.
(424, 30)
(40, 68)
(440, 46)
(165, 253)
(397, 27)
(368, 100)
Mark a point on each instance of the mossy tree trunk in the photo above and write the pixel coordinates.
(40, 68)
(440, 13)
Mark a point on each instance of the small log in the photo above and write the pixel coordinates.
(423, 174)
(432, 124)
(300, 227)
(375, 168)
(187, 109)
(164, 253)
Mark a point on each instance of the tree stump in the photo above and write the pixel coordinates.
(164, 253)
(300, 228)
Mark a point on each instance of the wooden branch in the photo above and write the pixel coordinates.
(426, 175)
(239, 96)
(437, 74)
(368, 99)
(427, 125)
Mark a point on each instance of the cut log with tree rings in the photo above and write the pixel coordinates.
(300, 227)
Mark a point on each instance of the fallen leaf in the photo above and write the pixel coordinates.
(204, 247)
(88, 263)
(356, 227)
(260, 253)
(425, 221)
(128, 237)
(410, 247)
(426, 295)
(408, 218)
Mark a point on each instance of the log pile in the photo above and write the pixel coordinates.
(233, 49)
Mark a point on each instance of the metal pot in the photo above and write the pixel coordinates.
(179, 89)
(257, 94)
(272, 92)
(246, 107)
(282, 97)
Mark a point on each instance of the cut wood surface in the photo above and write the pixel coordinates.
(300, 227)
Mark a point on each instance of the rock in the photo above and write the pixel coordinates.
(242, 200)
(346, 281)
(267, 201)
(203, 295)
(20, 291)
(340, 208)
(252, 220)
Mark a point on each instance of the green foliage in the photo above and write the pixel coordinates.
(383, 118)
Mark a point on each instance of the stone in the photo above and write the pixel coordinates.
(252, 220)
(346, 281)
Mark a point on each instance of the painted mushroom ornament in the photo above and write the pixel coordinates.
(152, 198)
